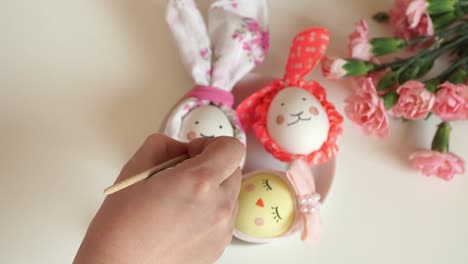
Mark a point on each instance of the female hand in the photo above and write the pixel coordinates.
(184, 214)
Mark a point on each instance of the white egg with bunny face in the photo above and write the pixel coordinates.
(297, 121)
(206, 121)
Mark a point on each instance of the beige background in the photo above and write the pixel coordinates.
(84, 82)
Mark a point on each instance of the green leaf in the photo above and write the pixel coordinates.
(389, 80)
(390, 99)
(381, 17)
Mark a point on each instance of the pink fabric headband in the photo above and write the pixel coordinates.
(212, 94)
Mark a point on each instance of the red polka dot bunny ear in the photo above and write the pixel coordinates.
(307, 49)
(291, 116)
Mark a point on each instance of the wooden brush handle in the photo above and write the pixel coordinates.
(144, 175)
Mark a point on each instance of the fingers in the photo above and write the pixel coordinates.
(218, 159)
(156, 149)
(224, 230)
(196, 146)
(231, 186)
(232, 225)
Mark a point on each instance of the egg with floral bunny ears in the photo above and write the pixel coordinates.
(297, 121)
(206, 121)
(217, 54)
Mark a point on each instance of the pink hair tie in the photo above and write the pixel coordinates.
(212, 94)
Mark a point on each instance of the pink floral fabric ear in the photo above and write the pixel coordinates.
(217, 56)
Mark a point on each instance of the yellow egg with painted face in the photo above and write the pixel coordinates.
(266, 206)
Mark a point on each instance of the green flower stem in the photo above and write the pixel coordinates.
(418, 40)
(428, 54)
(407, 62)
(442, 138)
(445, 74)
(448, 46)
(447, 34)
(453, 30)
(445, 20)
(461, 29)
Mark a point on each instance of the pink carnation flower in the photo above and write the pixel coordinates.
(410, 19)
(332, 68)
(451, 102)
(415, 101)
(415, 11)
(441, 164)
(366, 109)
(359, 46)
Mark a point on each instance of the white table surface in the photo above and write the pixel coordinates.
(84, 82)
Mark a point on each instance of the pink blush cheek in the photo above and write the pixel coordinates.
(191, 135)
(280, 119)
(259, 221)
(313, 110)
(250, 187)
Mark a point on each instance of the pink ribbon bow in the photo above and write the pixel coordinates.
(308, 201)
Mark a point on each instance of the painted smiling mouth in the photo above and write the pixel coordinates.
(298, 120)
(201, 134)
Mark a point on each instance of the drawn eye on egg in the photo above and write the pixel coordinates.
(297, 121)
(276, 215)
(206, 121)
